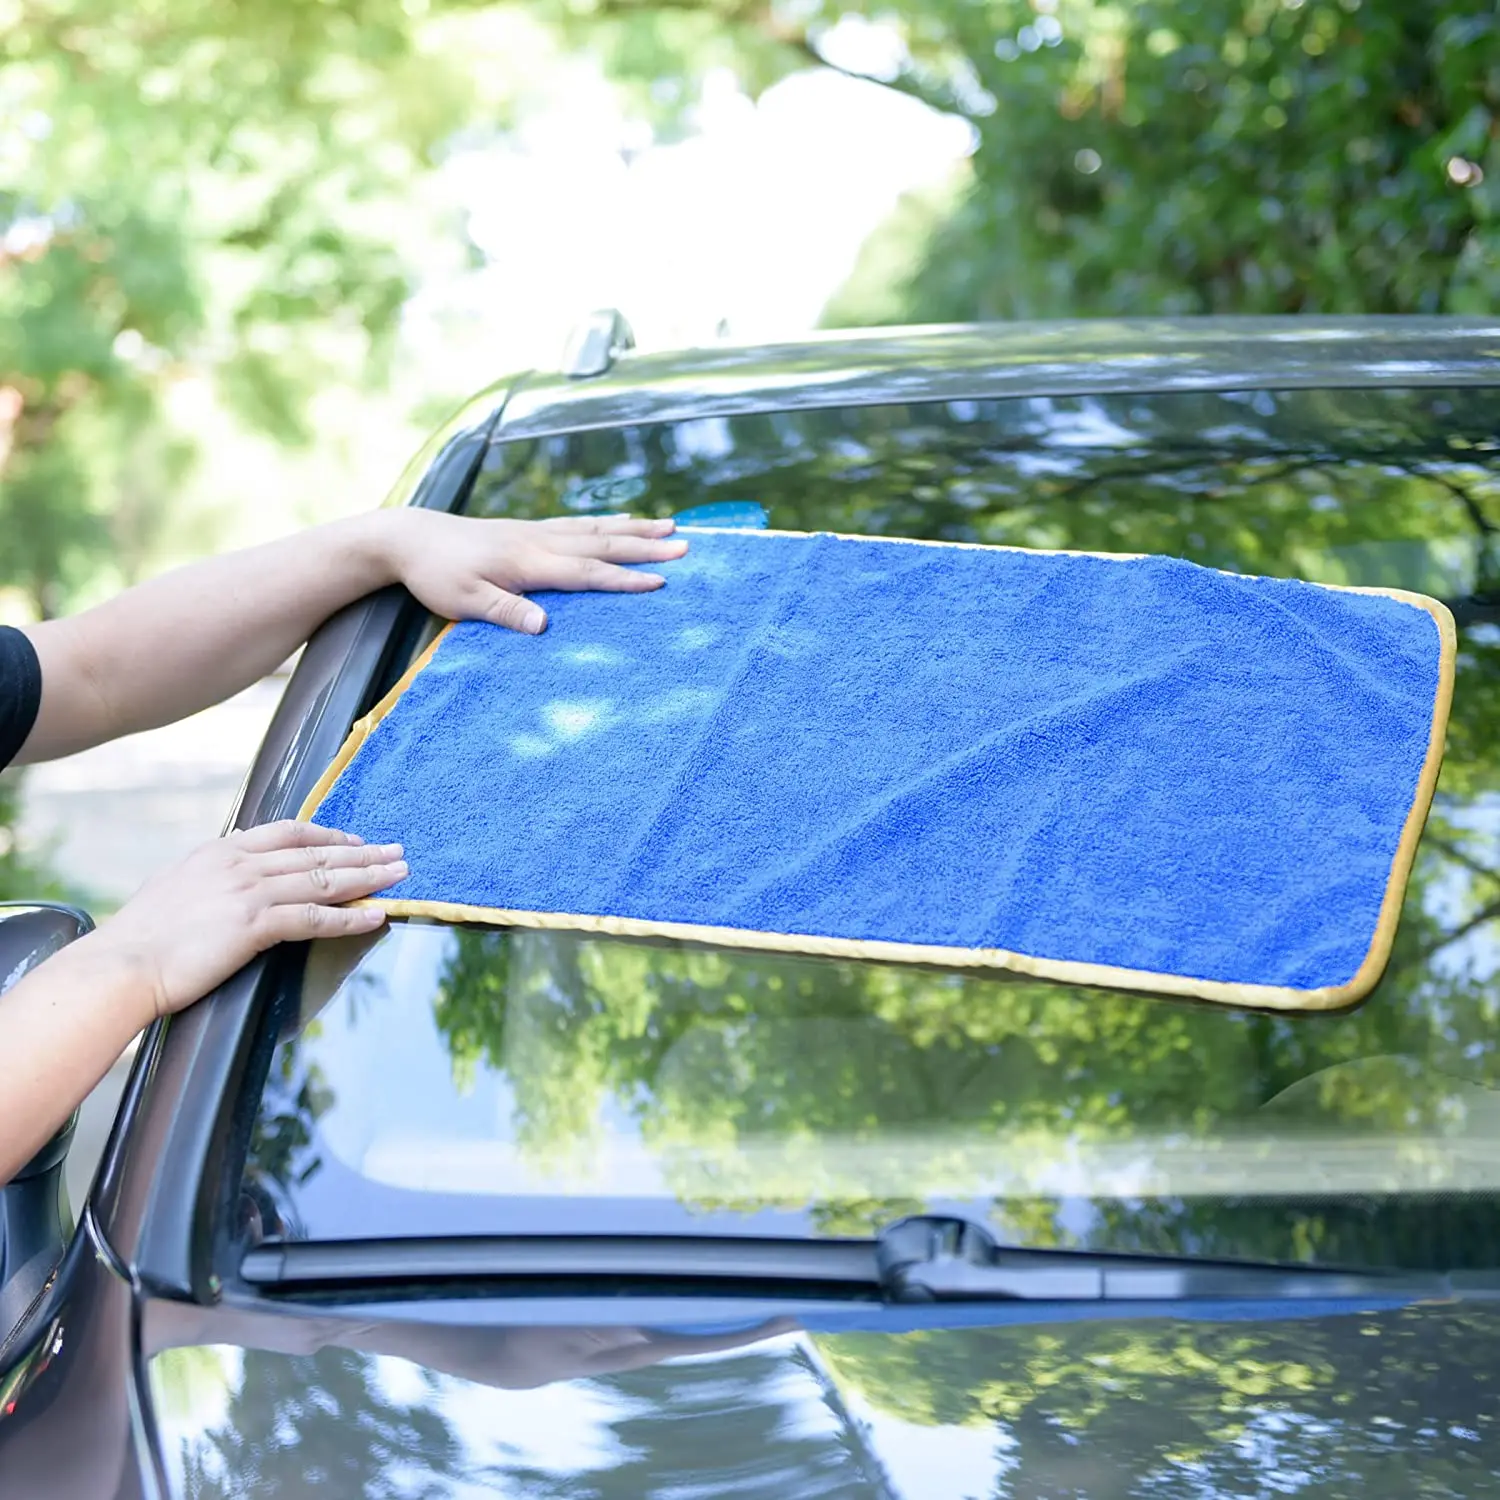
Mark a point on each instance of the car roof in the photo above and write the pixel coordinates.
(982, 361)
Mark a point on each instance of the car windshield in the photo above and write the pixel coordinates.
(440, 1080)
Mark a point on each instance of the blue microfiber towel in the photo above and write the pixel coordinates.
(1139, 766)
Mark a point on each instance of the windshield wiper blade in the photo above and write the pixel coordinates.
(927, 1258)
(562, 1257)
(930, 1258)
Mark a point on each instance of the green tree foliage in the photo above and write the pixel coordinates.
(23, 874)
(1389, 1405)
(318, 1425)
(1142, 156)
(1199, 156)
(189, 192)
(755, 1424)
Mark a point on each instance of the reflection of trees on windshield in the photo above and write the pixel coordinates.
(324, 1425)
(714, 1054)
(1388, 1406)
(320, 1426)
(1258, 481)
(730, 1427)
(283, 1152)
(718, 1057)
(711, 1052)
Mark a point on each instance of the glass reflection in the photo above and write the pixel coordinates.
(1386, 1405)
(474, 1079)
(461, 1080)
(343, 1420)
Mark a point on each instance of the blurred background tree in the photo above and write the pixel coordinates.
(1199, 156)
(189, 191)
(247, 251)
(239, 196)
(1157, 156)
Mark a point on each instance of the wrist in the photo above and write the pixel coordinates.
(370, 547)
(120, 977)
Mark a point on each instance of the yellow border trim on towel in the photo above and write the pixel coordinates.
(1258, 996)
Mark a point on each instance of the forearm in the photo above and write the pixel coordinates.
(194, 637)
(177, 939)
(62, 1028)
(191, 638)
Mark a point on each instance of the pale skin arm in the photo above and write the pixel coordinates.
(196, 636)
(191, 639)
(183, 933)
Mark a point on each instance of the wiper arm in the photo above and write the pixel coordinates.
(935, 1259)
(928, 1258)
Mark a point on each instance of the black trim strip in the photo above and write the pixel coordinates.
(657, 1257)
(167, 1159)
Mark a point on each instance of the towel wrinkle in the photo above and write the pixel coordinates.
(1001, 751)
(638, 850)
(1359, 671)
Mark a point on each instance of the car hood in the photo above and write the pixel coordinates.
(1392, 1403)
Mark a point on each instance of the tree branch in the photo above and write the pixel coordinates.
(1481, 522)
(1486, 913)
(757, 18)
(1460, 856)
(944, 101)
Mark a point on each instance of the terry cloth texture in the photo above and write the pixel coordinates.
(1130, 771)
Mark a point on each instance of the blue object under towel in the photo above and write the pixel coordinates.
(1123, 771)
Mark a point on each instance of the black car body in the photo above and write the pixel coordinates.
(379, 1220)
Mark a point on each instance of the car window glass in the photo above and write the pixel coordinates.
(457, 1080)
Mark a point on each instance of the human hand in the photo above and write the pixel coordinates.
(188, 929)
(466, 568)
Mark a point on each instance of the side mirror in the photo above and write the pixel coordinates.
(36, 1219)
